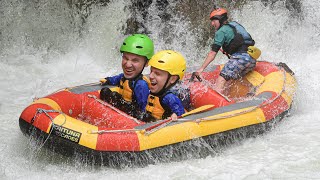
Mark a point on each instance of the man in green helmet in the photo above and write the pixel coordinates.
(131, 93)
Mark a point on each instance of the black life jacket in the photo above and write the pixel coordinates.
(242, 39)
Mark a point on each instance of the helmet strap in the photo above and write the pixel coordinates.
(146, 62)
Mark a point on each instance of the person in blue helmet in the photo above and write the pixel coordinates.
(236, 43)
(131, 92)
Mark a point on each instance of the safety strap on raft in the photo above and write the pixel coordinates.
(158, 127)
(116, 131)
(46, 112)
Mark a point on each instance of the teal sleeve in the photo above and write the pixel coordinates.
(219, 38)
(223, 36)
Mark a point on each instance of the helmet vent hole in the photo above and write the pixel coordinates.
(139, 47)
(124, 43)
(160, 61)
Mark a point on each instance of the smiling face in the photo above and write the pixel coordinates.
(132, 65)
(158, 78)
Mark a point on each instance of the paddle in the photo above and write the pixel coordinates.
(194, 111)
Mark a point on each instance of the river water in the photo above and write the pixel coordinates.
(45, 47)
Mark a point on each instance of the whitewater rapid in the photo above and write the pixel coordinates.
(42, 52)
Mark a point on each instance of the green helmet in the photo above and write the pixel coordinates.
(138, 44)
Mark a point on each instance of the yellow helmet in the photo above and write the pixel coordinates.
(254, 52)
(170, 61)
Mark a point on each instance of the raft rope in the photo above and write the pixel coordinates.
(226, 116)
(246, 111)
(114, 108)
(159, 127)
(184, 120)
(115, 131)
(45, 111)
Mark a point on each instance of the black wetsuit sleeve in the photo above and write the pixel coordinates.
(215, 47)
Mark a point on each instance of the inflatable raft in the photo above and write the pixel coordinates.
(75, 120)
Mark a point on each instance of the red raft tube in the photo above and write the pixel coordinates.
(75, 120)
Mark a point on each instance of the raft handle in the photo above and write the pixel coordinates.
(286, 68)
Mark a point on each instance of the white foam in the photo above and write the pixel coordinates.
(31, 69)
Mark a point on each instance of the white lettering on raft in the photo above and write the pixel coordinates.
(66, 133)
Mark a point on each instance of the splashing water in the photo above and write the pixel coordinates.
(44, 47)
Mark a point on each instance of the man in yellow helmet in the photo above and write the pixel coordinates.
(167, 68)
(236, 43)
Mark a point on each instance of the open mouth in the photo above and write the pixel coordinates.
(153, 83)
(129, 71)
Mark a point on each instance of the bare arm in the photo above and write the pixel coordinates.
(210, 57)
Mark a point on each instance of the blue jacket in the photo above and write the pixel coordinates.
(140, 89)
(174, 103)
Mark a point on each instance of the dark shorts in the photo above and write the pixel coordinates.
(238, 65)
